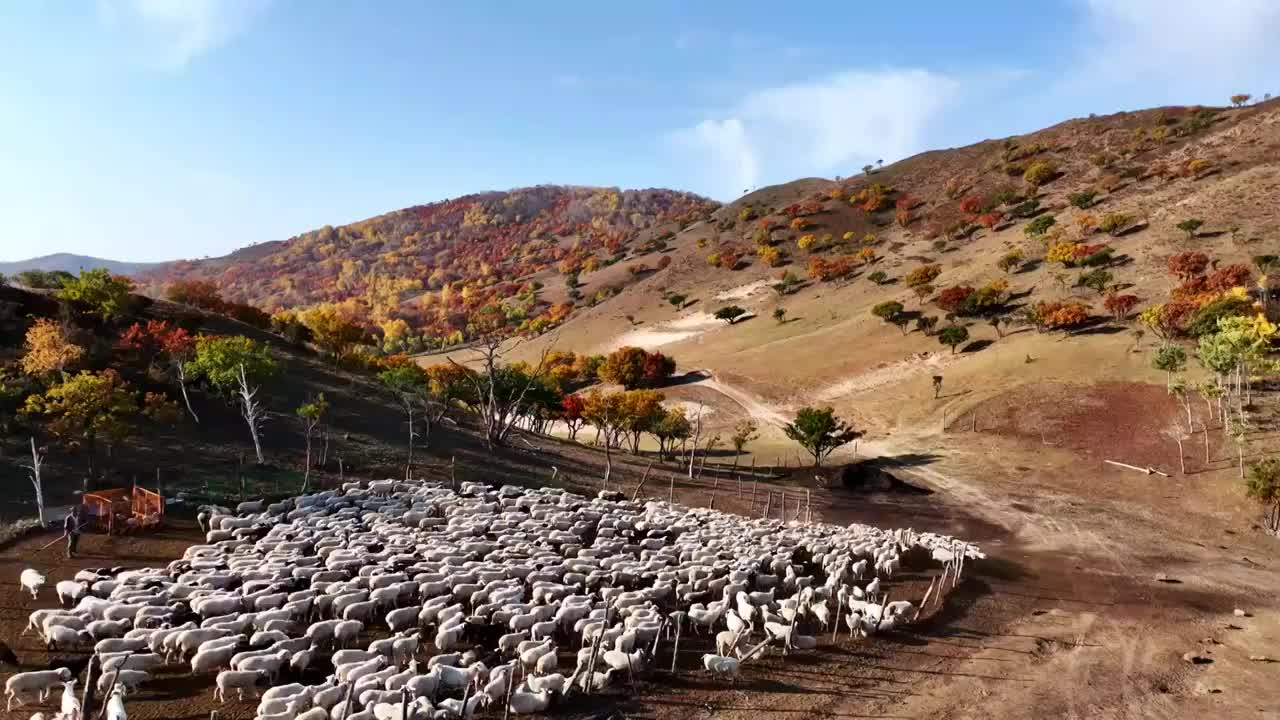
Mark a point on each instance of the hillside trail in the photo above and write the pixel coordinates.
(1080, 593)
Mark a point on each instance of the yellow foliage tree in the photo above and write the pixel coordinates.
(48, 349)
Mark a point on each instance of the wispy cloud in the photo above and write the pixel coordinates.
(177, 31)
(1190, 48)
(824, 126)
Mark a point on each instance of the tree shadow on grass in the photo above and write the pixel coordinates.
(977, 346)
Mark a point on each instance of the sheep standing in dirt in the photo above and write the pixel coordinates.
(37, 682)
(32, 581)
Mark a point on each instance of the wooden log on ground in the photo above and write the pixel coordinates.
(1127, 466)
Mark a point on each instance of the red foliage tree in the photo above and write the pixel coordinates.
(1120, 305)
(972, 206)
(1186, 265)
(571, 409)
(952, 299)
(990, 219)
(1224, 279)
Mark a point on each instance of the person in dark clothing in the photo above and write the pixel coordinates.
(71, 526)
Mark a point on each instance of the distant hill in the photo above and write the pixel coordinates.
(73, 264)
(431, 265)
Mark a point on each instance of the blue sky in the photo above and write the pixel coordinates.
(157, 129)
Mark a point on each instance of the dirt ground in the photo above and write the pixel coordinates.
(1050, 626)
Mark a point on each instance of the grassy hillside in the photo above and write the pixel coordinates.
(966, 210)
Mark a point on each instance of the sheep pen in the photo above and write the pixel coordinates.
(394, 595)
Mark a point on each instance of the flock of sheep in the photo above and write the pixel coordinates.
(414, 601)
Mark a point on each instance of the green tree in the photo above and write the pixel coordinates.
(408, 382)
(1263, 485)
(786, 284)
(42, 280)
(819, 431)
(878, 277)
(1096, 280)
(104, 296)
(892, 313)
(1039, 226)
(237, 367)
(1083, 199)
(85, 408)
(1190, 226)
(311, 415)
(730, 313)
(677, 300)
(743, 433)
(670, 428)
(1171, 359)
(926, 323)
(953, 336)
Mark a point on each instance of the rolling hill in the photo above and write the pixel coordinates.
(432, 265)
(68, 262)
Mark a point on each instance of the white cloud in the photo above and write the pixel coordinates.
(1185, 47)
(831, 125)
(179, 30)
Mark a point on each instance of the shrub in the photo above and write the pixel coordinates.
(746, 214)
(1010, 260)
(1187, 265)
(1082, 199)
(1039, 225)
(1096, 280)
(887, 310)
(664, 262)
(713, 259)
(1190, 226)
(989, 220)
(1040, 172)
(1113, 223)
(806, 242)
(1067, 316)
(1204, 321)
(102, 294)
(770, 256)
(1008, 196)
(1241, 99)
(922, 275)
(878, 277)
(1120, 305)
(1224, 279)
(1096, 258)
(1025, 209)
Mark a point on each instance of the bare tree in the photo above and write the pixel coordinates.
(697, 435)
(37, 460)
(1177, 434)
(500, 391)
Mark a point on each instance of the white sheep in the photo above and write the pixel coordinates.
(721, 666)
(39, 682)
(126, 680)
(240, 681)
(31, 581)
